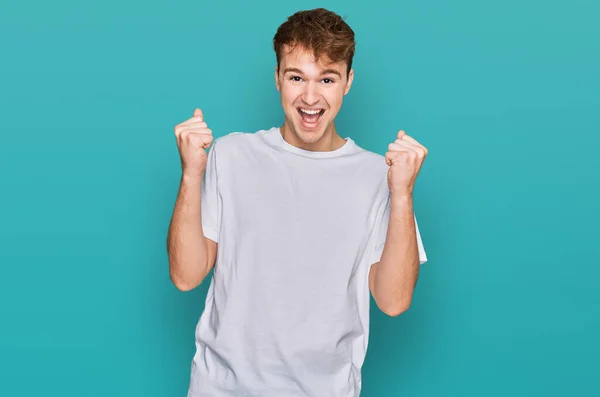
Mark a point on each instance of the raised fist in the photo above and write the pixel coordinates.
(193, 138)
(405, 157)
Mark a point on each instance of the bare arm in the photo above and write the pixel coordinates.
(392, 280)
(191, 255)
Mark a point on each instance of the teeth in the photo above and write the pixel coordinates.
(309, 111)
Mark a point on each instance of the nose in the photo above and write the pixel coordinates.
(310, 96)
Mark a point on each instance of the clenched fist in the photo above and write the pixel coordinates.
(193, 138)
(405, 157)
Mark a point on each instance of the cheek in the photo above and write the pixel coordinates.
(288, 94)
(334, 99)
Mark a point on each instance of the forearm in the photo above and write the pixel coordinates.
(398, 269)
(186, 245)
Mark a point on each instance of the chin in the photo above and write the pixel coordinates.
(309, 136)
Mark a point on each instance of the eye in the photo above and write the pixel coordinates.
(295, 78)
(327, 80)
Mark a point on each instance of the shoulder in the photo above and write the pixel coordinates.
(230, 139)
(238, 140)
(371, 161)
(370, 171)
(238, 148)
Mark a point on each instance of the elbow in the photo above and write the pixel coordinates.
(182, 286)
(398, 308)
(181, 282)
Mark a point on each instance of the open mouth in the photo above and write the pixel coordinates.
(310, 116)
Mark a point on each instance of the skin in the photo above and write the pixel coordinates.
(393, 279)
(303, 83)
(191, 255)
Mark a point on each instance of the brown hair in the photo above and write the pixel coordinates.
(322, 31)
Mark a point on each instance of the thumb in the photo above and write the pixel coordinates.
(198, 113)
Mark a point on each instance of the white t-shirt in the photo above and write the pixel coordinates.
(287, 310)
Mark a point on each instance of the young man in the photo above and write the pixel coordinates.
(300, 225)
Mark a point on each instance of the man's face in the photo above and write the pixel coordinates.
(311, 95)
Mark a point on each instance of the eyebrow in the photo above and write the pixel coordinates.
(326, 71)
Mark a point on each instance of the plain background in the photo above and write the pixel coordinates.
(503, 93)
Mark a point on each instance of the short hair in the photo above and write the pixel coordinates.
(321, 31)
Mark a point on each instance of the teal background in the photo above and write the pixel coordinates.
(503, 93)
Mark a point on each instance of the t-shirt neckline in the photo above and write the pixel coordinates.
(282, 143)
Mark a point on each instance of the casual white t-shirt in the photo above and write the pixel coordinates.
(287, 310)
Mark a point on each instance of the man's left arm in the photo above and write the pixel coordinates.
(392, 280)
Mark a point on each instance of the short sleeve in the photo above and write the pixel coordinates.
(210, 203)
(381, 231)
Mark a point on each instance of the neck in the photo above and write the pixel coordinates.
(330, 140)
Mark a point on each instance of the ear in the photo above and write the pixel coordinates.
(277, 83)
(349, 82)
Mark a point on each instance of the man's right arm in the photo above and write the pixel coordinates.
(191, 255)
